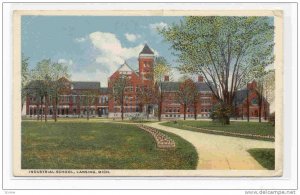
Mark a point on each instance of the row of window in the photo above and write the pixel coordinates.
(188, 115)
(128, 109)
(177, 110)
(67, 111)
(66, 99)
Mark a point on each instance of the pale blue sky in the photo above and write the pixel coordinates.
(93, 46)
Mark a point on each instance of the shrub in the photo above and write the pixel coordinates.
(272, 118)
(221, 113)
(137, 118)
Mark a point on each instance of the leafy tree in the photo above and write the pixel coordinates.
(269, 89)
(263, 85)
(186, 95)
(161, 69)
(260, 62)
(221, 49)
(25, 78)
(146, 95)
(42, 75)
(60, 74)
(89, 99)
(47, 76)
(117, 91)
(220, 113)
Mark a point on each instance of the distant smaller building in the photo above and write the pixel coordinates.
(249, 94)
(171, 108)
(72, 102)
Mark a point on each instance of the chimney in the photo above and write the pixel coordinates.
(200, 79)
(166, 78)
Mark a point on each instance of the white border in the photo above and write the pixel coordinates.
(287, 181)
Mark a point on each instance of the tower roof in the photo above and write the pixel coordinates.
(146, 50)
(125, 68)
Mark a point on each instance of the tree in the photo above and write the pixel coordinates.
(47, 76)
(269, 89)
(117, 91)
(161, 69)
(42, 75)
(186, 95)
(89, 99)
(260, 62)
(195, 98)
(264, 84)
(146, 95)
(221, 49)
(25, 78)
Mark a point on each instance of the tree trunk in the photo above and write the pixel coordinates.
(38, 111)
(56, 103)
(265, 106)
(160, 103)
(160, 107)
(147, 112)
(41, 108)
(122, 106)
(195, 110)
(88, 113)
(184, 111)
(226, 117)
(235, 110)
(259, 108)
(46, 107)
(227, 120)
(242, 111)
(248, 107)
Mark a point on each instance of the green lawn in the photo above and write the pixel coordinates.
(256, 128)
(95, 145)
(265, 157)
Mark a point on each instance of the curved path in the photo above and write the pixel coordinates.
(220, 152)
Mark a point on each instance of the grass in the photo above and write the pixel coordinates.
(95, 145)
(263, 129)
(265, 157)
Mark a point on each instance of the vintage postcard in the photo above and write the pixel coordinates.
(148, 93)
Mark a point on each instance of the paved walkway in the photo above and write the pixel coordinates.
(219, 152)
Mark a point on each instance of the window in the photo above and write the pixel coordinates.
(66, 99)
(137, 88)
(129, 88)
(205, 101)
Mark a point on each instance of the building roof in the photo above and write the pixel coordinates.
(125, 68)
(170, 86)
(146, 50)
(103, 90)
(174, 86)
(85, 85)
(202, 87)
(240, 96)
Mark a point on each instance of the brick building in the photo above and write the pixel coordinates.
(74, 99)
(248, 95)
(137, 81)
